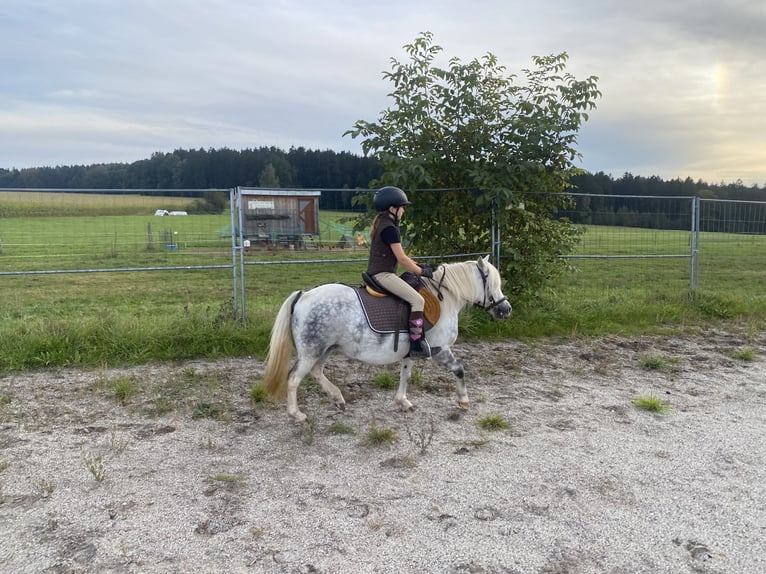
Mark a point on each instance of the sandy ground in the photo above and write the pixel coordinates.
(170, 468)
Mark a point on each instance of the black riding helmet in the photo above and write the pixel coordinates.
(389, 196)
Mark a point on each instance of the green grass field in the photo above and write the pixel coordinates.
(57, 319)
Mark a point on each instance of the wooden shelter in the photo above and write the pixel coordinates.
(280, 215)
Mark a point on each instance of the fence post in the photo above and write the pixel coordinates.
(238, 275)
(694, 270)
(234, 248)
(495, 238)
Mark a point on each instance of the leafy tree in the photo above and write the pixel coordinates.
(486, 139)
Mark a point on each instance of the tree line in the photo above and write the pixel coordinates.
(650, 202)
(208, 169)
(310, 169)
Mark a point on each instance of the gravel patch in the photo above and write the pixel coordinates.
(172, 468)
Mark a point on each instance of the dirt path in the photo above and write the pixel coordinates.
(170, 468)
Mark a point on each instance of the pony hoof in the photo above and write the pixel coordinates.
(463, 406)
(340, 406)
(301, 420)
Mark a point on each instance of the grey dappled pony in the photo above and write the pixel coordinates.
(330, 318)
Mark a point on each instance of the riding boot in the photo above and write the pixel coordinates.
(418, 345)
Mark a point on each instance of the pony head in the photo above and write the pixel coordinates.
(493, 299)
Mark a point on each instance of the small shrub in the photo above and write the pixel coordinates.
(377, 435)
(744, 354)
(385, 380)
(5, 400)
(493, 423)
(650, 403)
(423, 438)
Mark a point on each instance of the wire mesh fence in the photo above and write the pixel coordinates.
(192, 238)
(732, 245)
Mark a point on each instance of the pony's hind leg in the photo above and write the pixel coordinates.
(405, 372)
(300, 369)
(332, 391)
(446, 358)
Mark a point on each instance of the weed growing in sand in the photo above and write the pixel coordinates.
(188, 388)
(417, 377)
(653, 363)
(95, 465)
(44, 488)
(227, 478)
(400, 461)
(493, 423)
(309, 431)
(209, 444)
(385, 380)
(124, 388)
(377, 435)
(657, 363)
(480, 442)
(258, 394)
(5, 400)
(341, 428)
(424, 436)
(161, 406)
(118, 442)
(205, 410)
(3, 466)
(744, 354)
(650, 403)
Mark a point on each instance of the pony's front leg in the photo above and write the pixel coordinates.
(405, 372)
(446, 358)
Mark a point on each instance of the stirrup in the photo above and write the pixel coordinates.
(425, 351)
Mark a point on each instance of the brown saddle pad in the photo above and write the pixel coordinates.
(390, 314)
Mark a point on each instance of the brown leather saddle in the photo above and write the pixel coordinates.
(387, 313)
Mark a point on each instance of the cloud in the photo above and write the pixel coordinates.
(681, 80)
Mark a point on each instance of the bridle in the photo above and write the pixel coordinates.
(484, 278)
(492, 302)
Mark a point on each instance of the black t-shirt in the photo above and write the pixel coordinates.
(391, 235)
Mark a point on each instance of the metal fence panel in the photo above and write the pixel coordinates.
(680, 241)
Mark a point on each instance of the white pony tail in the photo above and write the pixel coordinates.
(281, 350)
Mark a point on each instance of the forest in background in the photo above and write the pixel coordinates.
(312, 169)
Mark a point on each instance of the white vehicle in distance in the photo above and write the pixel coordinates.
(161, 212)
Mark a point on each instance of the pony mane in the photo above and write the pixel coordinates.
(460, 281)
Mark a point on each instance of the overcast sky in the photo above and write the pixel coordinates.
(98, 81)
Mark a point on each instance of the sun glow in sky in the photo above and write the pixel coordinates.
(97, 81)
